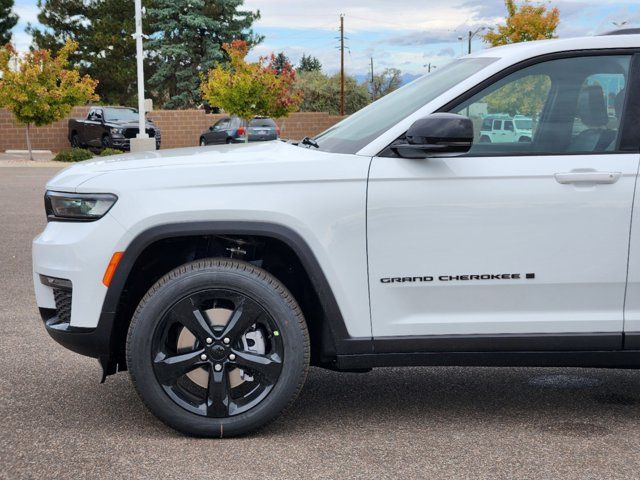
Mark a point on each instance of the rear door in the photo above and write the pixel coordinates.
(219, 132)
(515, 242)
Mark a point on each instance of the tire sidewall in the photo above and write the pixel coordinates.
(258, 287)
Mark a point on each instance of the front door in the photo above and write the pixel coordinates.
(523, 238)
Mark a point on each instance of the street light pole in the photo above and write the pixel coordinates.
(142, 142)
(473, 34)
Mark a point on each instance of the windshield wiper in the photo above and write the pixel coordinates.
(309, 141)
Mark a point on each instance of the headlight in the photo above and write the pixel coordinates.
(80, 207)
(117, 131)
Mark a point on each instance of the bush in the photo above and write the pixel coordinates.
(73, 155)
(110, 151)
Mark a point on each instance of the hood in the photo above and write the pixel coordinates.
(223, 164)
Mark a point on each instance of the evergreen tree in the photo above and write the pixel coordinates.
(187, 39)
(8, 20)
(309, 64)
(281, 62)
(102, 29)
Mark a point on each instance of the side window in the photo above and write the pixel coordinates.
(570, 105)
(222, 124)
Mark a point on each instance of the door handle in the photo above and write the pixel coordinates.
(588, 177)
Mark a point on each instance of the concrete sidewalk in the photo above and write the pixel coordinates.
(20, 158)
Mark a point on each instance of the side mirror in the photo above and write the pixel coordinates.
(211, 128)
(438, 135)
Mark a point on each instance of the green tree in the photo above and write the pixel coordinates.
(102, 29)
(321, 93)
(40, 88)
(525, 96)
(251, 89)
(280, 62)
(309, 63)
(8, 20)
(524, 23)
(186, 41)
(386, 82)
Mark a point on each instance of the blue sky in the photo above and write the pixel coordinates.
(408, 38)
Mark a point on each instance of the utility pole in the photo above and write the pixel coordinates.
(373, 85)
(342, 64)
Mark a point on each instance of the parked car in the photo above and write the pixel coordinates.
(506, 129)
(235, 130)
(109, 127)
(217, 276)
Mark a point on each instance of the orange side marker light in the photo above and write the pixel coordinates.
(111, 268)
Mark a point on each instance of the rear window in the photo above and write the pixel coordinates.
(262, 122)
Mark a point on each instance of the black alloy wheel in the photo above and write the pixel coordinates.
(218, 347)
(224, 352)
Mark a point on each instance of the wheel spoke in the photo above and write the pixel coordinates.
(170, 369)
(218, 394)
(245, 314)
(268, 366)
(186, 313)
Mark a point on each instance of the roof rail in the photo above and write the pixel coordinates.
(622, 31)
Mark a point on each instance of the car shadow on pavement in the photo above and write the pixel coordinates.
(573, 402)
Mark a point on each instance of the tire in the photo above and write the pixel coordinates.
(203, 142)
(106, 142)
(186, 401)
(75, 141)
(485, 139)
(524, 140)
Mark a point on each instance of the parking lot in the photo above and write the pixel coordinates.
(59, 422)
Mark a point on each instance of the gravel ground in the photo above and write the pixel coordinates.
(59, 422)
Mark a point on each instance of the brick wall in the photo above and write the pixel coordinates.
(180, 128)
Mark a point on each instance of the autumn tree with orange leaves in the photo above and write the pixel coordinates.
(248, 90)
(39, 88)
(524, 23)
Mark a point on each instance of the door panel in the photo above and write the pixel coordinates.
(497, 216)
(512, 238)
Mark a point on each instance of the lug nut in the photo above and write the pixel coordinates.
(226, 341)
(203, 356)
(232, 357)
(217, 367)
(209, 341)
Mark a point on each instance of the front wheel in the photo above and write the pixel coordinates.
(218, 348)
(203, 142)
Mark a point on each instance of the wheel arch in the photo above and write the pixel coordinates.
(326, 323)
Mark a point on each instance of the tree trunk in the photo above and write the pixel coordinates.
(29, 143)
(246, 132)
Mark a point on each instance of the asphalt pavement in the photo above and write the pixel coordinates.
(57, 420)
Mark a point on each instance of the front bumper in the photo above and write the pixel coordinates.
(79, 253)
(124, 144)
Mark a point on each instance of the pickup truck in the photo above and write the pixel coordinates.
(217, 275)
(109, 127)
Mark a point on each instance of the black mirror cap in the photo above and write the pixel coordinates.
(439, 134)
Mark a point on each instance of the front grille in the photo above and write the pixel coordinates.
(63, 304)
(132, 132)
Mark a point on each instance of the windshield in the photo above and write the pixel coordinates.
(358, 130)
(120, 115)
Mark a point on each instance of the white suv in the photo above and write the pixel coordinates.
(506, 129)
(216, 276)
